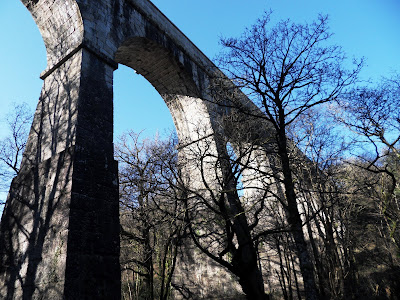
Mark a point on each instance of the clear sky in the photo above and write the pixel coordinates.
(368, 28)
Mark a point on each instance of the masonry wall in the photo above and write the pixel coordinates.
(59, 235)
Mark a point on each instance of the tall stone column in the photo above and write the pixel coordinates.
(59, 233)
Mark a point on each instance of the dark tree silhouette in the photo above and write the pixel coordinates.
(287, 69)
(18, 122)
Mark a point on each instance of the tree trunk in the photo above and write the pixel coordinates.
(295, 223)
(245, 262)
(245, 259)
(249, 279)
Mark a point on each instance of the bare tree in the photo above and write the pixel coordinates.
(222, 223)
(369, 242)
(371, 113)
(286, 70)
(317, 171)
(151, 224)
(18, 122)
(157, 200)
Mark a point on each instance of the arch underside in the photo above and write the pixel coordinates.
(174, 82)
(156, 64)
(72, 135)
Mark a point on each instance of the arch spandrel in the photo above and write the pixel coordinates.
(60, 24)
(158, 66)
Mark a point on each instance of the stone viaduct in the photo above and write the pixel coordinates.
(59, 234)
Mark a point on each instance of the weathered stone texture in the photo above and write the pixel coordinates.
(33, 240)
(54, 125)
(59, 235)
(60, 25)
(60, 228)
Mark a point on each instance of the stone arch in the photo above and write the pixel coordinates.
(60, 230)
(180, 81)
(60, 24)
(173, 79)
(157, 65)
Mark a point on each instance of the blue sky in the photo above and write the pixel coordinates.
(368, 28)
